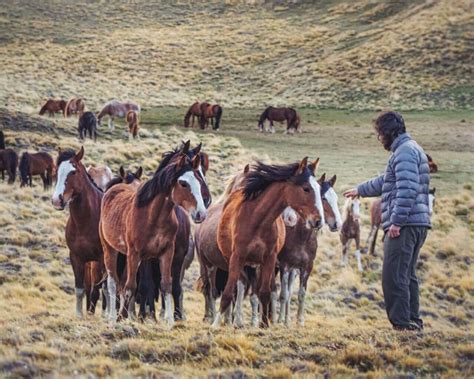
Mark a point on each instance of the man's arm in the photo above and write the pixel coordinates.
(372, 187)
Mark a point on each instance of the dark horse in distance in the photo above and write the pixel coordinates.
(279, 114)
(8, 161)
(36, 164)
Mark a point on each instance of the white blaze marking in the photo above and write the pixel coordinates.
(195, 187)
(317, 192)
(65, 168)
(331, 197)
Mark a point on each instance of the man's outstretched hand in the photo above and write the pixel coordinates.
(352, 193)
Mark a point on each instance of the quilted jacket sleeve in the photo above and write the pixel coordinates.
(405, 167)
(372, 187)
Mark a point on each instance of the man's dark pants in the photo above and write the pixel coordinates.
(399, 281)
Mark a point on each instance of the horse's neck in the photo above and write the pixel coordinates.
(160, 208)
(268, 206)
(87, 204)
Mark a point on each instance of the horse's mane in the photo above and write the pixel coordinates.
(163, 179)
(43, 108)
(264, 115)
(129, 178)
(262, 175)
(229, 184)
(188, 114)
(346, 209)
(2, 141)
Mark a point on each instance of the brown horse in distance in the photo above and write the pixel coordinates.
(101, 175)
(132, 122)
(116, 108)
(351, 230)
(251, 231)
(8, 160)
(193, 111)
(76, 105)
(210, 112)
(279, 114)
(433, 166)
(75, 188)
(142, 224)
(36, 164)
(53, 106)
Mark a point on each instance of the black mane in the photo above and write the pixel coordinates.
(164, 178)
(65, 155)
(262, 175)
(129, 178)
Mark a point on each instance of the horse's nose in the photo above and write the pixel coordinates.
(58, 202)
(198, 216)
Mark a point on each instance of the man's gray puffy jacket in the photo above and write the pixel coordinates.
(404, 186)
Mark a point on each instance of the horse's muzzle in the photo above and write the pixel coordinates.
(59, 203)
(198, 216)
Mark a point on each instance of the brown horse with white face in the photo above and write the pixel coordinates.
(142, 223)
(299, 251)
(75, 188)
(53, 106)
(251, 231)
(193, 111)
(210, 112)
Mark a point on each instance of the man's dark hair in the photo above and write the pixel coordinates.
(389, 125)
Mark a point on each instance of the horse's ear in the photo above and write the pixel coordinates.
(197, 149)
(122, 172)
(196, 161)
(332, 181)
(186, 146)
(139, 172)
(79, 155)
(204, 162)
(302, 166)
(322, 178)
(313, 166)
(246, 169)
(181, 161)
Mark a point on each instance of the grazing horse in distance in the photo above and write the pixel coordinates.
(279, 114)
(8, 160)
(132, 123)
(36, 164)
(433, 166)
(53, 106)
(74, 187)
(193, 111)
(351, 230)
(376, 219)
(210, 112)
(76, 105)
(251, 231)
(299, 251)
(87, 124)
(142, 224)
(115, 108)
(101, 175)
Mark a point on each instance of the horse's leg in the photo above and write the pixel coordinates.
(304, 276)
(345, 246)
(272, 127)
(111, 123)
(236, 264)
(284, 275)
(177, 291)
(373, 240)
(291, 280)
(274, 300)
(357, 253)
(45, 183)
(266, 272)
(78, 266)
(133, 261)
(166, 261)
(254, 304)
(238, 320)
(110, 260)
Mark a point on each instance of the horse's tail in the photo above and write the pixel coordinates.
(44, 108)
(66, 107)
(24, 168)
(188, 116)
(293, 118)
(218, 117)
(2, 140)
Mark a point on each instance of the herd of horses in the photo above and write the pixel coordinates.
(131, 241)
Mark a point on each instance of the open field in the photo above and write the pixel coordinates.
(346, 332)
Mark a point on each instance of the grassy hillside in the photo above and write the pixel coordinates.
(346, 332)
(363, 55)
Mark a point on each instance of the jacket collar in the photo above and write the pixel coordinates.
(401, 139)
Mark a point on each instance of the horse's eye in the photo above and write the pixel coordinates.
(305, 189)
(184, 184)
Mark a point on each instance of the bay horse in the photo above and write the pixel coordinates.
(299, 251)
(36, 164)
(433, 166)
(351, 230)
(87, 124)
(53, 106)
(132, 122)
(376, 219)
(210, 112)
(142, 224)
(115, 108)
(251, 231)
(75, 105)
(279, 114)
(101, 175)
(193, 111)
(74, 187)
(8, 160)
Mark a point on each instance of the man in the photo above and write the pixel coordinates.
(405, 218)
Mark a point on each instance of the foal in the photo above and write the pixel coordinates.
(251, 231)
(142, 224)
(132, 123)
(351, 230)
